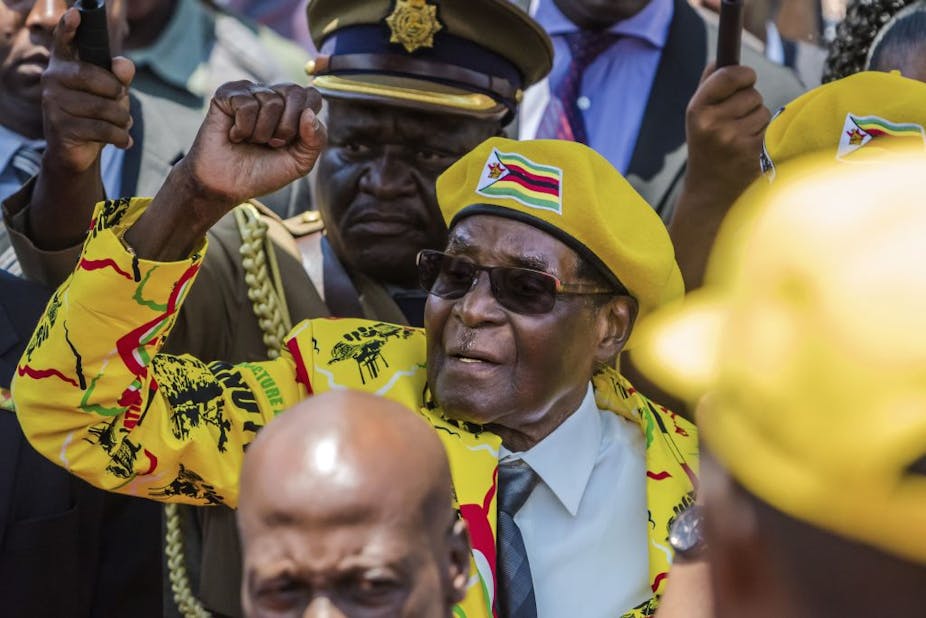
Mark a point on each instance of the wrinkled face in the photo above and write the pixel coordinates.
(26, 28)
(358, 550)
(599, 14)
(491, 366)
(376, 183)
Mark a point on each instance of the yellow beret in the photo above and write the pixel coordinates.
(571, 192)
(852, 119)
(807, 352)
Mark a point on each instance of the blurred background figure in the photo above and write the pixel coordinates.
(286, 17)
(805, 351)
(901, 44)
(849, 49)
(788, 32)
(346, 510)
(623, 75)
(185, 49)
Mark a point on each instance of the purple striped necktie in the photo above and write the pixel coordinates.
(562, 119)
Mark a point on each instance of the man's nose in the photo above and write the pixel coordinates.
(478, 306)
(322, 607)
(45, 14)
(388, 177)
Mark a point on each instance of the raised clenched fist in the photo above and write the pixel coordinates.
(254, 140)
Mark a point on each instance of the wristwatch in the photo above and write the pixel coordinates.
(686, 534)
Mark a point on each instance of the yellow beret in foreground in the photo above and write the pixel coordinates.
(807, 350)
(852, 119)
(571, 192)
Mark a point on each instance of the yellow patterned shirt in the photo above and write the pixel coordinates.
(94, 395)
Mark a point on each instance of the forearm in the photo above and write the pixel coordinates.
(693, 228)
(176, 221)
(62, 204)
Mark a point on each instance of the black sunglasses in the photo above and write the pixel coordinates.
(521, 290)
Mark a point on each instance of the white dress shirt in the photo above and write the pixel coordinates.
(585, 523)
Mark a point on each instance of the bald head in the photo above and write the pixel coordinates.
(346, 499)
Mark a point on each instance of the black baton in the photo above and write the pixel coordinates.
(730, 33)
(93, 34)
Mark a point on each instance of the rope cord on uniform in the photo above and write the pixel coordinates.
(187, 603)
(265, 291)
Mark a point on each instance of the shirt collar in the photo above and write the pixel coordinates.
(179, 52)
(10, 142)
(651, 24)
(564, 460)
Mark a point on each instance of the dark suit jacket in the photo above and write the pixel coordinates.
(657, 166)
(66, 549)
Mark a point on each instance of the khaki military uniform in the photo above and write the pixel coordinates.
(218, 321)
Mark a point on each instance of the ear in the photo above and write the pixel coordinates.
(459, 560)
(614, 323)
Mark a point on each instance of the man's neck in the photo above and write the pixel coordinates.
(145, 32)
(22, 121)
(523, 437)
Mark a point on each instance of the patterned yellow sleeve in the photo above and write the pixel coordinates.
(94, 396)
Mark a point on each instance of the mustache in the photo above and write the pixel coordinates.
(466, 340)
(401, 211)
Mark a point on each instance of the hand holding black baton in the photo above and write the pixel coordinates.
(730, 33)
(93, 34)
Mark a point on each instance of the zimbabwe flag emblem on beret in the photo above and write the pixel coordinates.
(510, 175)
(872, 132)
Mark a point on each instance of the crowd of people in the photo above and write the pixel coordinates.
(545, 314)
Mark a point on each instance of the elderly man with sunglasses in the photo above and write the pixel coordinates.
(566, 476)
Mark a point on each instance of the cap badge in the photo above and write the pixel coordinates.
(860, 131)
(413, 24)
(513, 176)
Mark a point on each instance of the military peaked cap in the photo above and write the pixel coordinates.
(466, 57)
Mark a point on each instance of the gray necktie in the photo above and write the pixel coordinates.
(26, 162)
(516, 480)
(8, 259)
